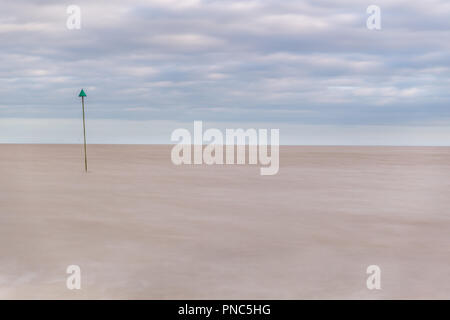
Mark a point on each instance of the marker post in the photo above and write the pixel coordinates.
(82, 95)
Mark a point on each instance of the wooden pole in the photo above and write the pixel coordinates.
(84, 132)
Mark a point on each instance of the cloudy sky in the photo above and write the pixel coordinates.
(310, 68)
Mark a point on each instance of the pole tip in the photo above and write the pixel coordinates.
(82, 94)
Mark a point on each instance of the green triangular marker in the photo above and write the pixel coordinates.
(82, 94)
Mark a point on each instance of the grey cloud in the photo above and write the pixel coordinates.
(310, 62)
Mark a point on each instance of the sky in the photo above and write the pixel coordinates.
(309, 68)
